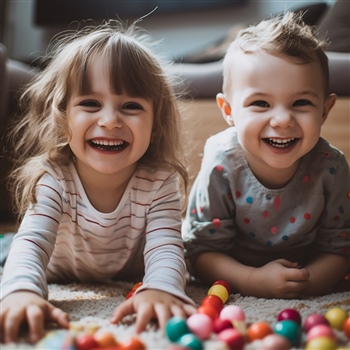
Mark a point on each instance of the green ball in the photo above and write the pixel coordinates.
(176, 328)
(290, 330)
(190, 341)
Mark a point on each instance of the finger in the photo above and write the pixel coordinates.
(287, 263)
(145, 312)
(35, 319)
(163, 313)
(59, 316)
(12, 322)
(124, 309)
(189, 309)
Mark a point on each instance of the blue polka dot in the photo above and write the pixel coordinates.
(332, 170)
(251, 234)
(249, 200)
(268, 244)
(212, 231)
(285, 238)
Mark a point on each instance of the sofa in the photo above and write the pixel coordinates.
(201, 118)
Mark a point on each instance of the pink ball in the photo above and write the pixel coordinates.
(275, 342)
(290, 314)
(232, 338)
(320, 330)
(232, 313)
(313, 320)
(200, 325)
(219, 325)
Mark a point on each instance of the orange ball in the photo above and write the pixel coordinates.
(347, 327)
(209, 310)
(214, 301)
(105, 339)
(259, 330)
(133, 344)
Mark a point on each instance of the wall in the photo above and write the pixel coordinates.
(181, 34)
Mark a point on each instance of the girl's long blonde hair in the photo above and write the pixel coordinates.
(42, 135)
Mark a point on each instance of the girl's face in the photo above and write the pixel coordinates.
(109, 132)
(278, 108)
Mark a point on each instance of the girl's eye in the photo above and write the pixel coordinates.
(300, 103)
(260, 103)
(90, 103)
(132, 106)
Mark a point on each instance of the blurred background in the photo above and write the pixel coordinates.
(184, 27)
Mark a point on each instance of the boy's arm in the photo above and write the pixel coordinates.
(277, 279)
(325, 270)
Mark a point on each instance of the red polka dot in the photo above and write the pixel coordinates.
(238, 194)
(274, 229)
(216, 222)
(265, 214)
(307, 216)
(344, 234)
(307, 179)
(201, 209)
(246, 220)
(336, 218)
(193, 211)
(292, 220)
(327, 154)
(219, 167)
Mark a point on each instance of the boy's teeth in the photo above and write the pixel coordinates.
(281, 140)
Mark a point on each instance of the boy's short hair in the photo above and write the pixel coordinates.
(284, 35)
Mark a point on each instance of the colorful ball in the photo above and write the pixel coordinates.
(209, 310)
(231, 313)
(105, 339)
(175, 328)
(313, 320)
(133, 343)
(321, 343)
(190, 341)
(225, 284)
(290, 314)
(200, 325)
(232, 338)
(219, 325)
(85, 342)
(214, 301)
(219, 291)
(347, 327)
(258, 330)
(336, 317)
(320, 330)
(290, 330)
(275, 342)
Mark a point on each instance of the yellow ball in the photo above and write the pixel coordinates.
(321, 343)
(220, 291)
(336, 317)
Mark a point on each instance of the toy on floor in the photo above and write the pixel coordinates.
(226, 325)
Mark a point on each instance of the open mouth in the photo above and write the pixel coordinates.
(280, 143)
(106, 145)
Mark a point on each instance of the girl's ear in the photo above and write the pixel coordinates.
(328, 105)
(225, 108)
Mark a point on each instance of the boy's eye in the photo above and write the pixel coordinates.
(89, 103)
(132, 106)
(300, 103)
(260, 103)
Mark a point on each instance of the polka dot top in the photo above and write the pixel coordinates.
(231, 212)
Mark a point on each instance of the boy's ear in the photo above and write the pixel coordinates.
(225, 108)
(328, 105)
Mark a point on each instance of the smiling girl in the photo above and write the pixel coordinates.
(97, 183)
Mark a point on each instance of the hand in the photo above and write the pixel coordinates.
(27, 307)
(279, 279)
(152, 303)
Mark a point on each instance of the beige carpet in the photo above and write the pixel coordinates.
(95, 303)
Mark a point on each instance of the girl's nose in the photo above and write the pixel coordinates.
(110, 119)
(282, 119)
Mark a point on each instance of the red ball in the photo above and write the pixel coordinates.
(133, 343)
(209, 310)
(85, 342)
(313, 320)
(214, 301)
(232, 338)
(219, 325)
(225, 284)
(290, 314)
(347, 327)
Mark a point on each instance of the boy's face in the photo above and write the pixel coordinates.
(278, 107)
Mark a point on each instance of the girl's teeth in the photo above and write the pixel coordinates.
(107, 143)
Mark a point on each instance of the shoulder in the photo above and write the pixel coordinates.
(146, 177)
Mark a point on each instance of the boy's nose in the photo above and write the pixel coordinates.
(282, 119)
